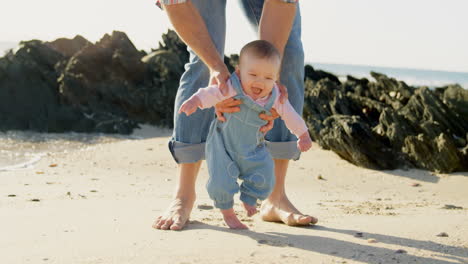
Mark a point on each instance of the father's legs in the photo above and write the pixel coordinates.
(282, 143)
(188, 141)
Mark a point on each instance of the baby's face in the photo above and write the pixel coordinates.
(258, 76)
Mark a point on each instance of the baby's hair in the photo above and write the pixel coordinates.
(260, 49)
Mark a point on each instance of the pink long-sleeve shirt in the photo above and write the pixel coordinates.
(211, 95)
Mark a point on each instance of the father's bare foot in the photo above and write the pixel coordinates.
(176, 215)
(282, 210)
(231, 219)
(251, 210)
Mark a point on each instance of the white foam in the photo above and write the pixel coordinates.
(24, 165)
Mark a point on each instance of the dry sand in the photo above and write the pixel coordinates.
(97, 205)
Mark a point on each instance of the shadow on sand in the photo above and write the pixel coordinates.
(359, 252)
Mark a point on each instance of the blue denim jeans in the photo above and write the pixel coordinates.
(189, 135)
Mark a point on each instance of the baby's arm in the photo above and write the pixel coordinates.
(190, 105)
(205, 98)
(295, 124)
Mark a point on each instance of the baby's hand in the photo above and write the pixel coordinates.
(190, 105)
(305, 142)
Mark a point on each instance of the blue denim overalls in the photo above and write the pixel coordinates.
(236, 149)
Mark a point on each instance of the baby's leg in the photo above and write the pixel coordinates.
(230, 218)
(251, 209)
(258, 181)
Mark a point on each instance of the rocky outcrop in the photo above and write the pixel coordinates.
(111, 87)
(75, 85)
(29, 90)
(68, 47)
(387, 124)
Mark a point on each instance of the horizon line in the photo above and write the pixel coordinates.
(389, 67)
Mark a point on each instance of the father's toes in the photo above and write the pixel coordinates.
(297, 219)
(305, 219)
(156, 222)
(314, 220)
(160, 223)
(302, 219)
(178, 224)
(167, 224)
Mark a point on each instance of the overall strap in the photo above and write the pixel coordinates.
(235, 82)
(272, 99)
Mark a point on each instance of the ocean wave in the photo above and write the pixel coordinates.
(29, 163)
(23, 149)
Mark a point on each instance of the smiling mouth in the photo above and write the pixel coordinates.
(256, 90)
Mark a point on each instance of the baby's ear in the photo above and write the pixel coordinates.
(237, 71)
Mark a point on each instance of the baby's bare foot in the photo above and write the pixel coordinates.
(251, 210)
(231, 219)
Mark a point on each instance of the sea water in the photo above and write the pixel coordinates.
(413, 77)
(22, 149)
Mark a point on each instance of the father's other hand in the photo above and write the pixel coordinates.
(271, 120)
(229, 105)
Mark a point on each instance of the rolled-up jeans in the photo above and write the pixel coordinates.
(187, 144)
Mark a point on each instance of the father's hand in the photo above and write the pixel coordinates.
(270, 118)
(229, 105)
(219, 76)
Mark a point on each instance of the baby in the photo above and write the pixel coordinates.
(236, 148)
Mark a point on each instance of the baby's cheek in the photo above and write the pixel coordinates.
(270, 87)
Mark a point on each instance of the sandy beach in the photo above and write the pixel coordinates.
(97, 205)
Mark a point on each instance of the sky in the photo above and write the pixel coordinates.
(421, 34)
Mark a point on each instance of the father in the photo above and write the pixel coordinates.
(201, 24)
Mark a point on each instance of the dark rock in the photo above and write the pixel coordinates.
(129, 84)
(425, 108)
(464, 158)
(452, 207)
(456, 98)
(395, 127)
(204, 207)
(69, 47)
(100, 73)
(359, 87)
(75, 85)
(439, 155)
(388, 124)
(323, 99)
(358, 234)
(317, 75)
(442, 234)
(29, 90)
(353, 140)
(231, 62)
